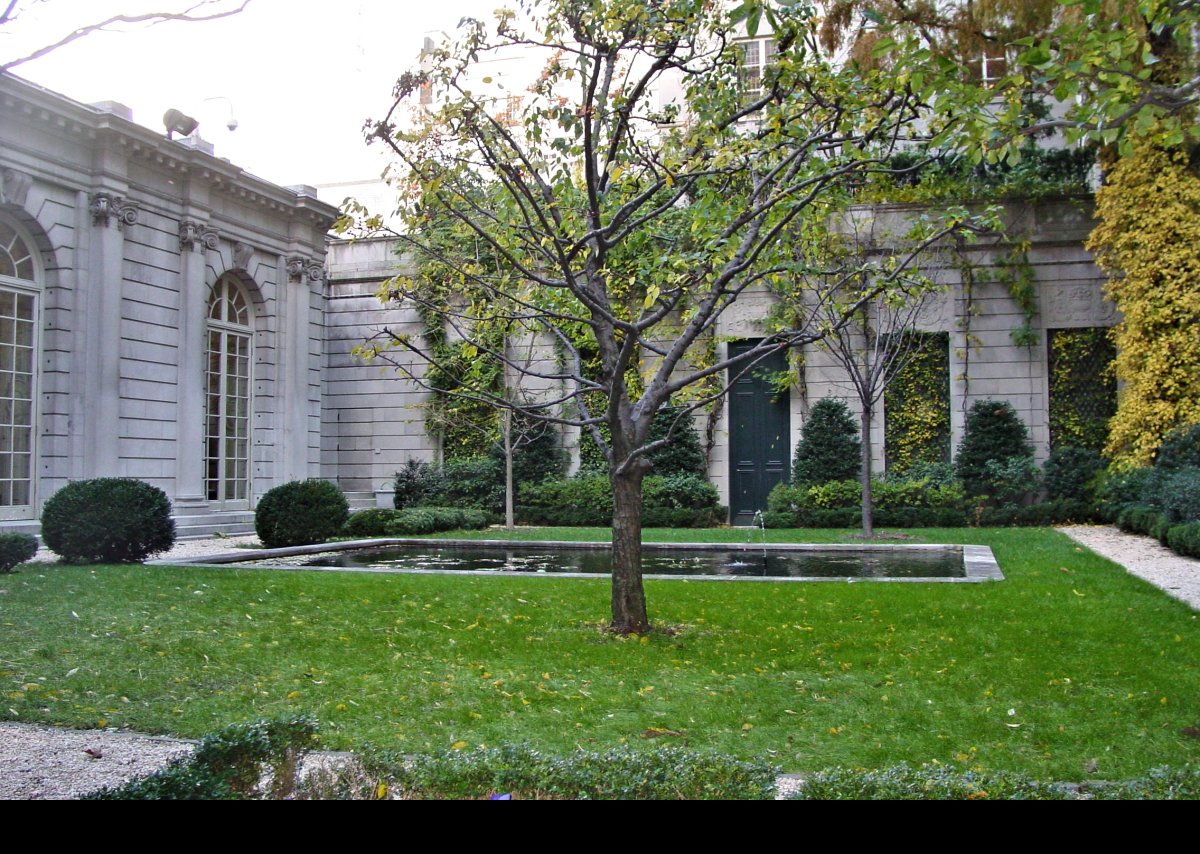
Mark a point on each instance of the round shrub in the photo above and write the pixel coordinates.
(1180, 448)
(16, 549)
(994, 431)
(829, 446)
(1069, 472)
(1181, 495)
(108, 520)
(300, 513)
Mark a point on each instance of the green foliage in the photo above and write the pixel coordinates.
(942, 783)
(1180, 448)
(917, 404)
(993, 432)
(1083, 387)
(477, 483)
(254, 761)
(110, 520)
(927, 783)
(1147, 239)
(1117, 489)
(1185, 539)
(1015, 480)
(300, 513)
(1181, 495)
(937, 474)
(16, 549)
(381, 522)
(538, 457)
(829, 448)
(1071, 473)
(681, 500)
(618, 774)
(417, 482)
(921, 177)
(682, 454)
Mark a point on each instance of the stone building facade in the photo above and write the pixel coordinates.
(167, 316)
(372, 421)
(161, 314)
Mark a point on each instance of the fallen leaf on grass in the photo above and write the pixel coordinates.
(656, 732)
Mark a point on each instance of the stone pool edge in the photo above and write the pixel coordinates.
(979, 562)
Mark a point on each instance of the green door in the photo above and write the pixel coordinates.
(759, 427)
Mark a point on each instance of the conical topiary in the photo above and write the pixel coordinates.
(829, 446)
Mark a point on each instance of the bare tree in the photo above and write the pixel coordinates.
(205, 10)
(873, 339)
(620, 227)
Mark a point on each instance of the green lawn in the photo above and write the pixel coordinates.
(1067, 661)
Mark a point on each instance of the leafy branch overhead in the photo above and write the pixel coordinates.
(615, 207)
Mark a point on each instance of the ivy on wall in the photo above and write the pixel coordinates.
(1083, 387)
(1148, 241)
(917, 406)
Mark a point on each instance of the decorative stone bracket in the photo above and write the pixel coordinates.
(106, 207)
(14, 187)
(243, 253)
(194, 236)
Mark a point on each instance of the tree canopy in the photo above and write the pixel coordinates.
(622, 203)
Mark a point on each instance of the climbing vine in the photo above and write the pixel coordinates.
(917, 406)
(1083, 387)
(1148, 241)
(1015, 271)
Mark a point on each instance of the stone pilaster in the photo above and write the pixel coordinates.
(195, 238)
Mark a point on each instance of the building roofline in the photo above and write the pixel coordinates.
(22, 99)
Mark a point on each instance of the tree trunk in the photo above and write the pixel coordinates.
(628, 595)
(868, 511)
(506, 429)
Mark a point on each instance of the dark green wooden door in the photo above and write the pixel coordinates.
(759, 427)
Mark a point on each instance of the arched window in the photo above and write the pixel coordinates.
(18, 380)
(227, 393)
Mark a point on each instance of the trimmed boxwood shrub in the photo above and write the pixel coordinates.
(1179, 448)
(1185, 539)
(993, 432)
(378, 522)
(415, 483)
(927, 783)
(679, 501)
(108, 520)
(300, 513)
(1181, 495)
(16, 549)
(1071, 473)
(829, 448)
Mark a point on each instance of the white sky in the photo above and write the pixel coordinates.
(302, 75)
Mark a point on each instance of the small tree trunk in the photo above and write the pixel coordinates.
(506, 430)
(628, 594)
(868, 510)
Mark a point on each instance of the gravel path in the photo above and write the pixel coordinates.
(1144, 557)
(48, 763)
(38, 762)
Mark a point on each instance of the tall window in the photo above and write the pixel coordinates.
(227, 397)
(990, 66)
(18, 344)
(757, 56)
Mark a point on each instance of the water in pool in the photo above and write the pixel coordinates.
(741, 562)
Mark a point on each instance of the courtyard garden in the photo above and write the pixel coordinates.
(1068, 669)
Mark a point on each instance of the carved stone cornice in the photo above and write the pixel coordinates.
(195, 236)
(105, 208)
(14, 187)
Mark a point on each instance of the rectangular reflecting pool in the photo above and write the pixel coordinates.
(801, 562)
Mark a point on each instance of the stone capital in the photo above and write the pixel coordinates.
(107, 208)
(196, 236)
